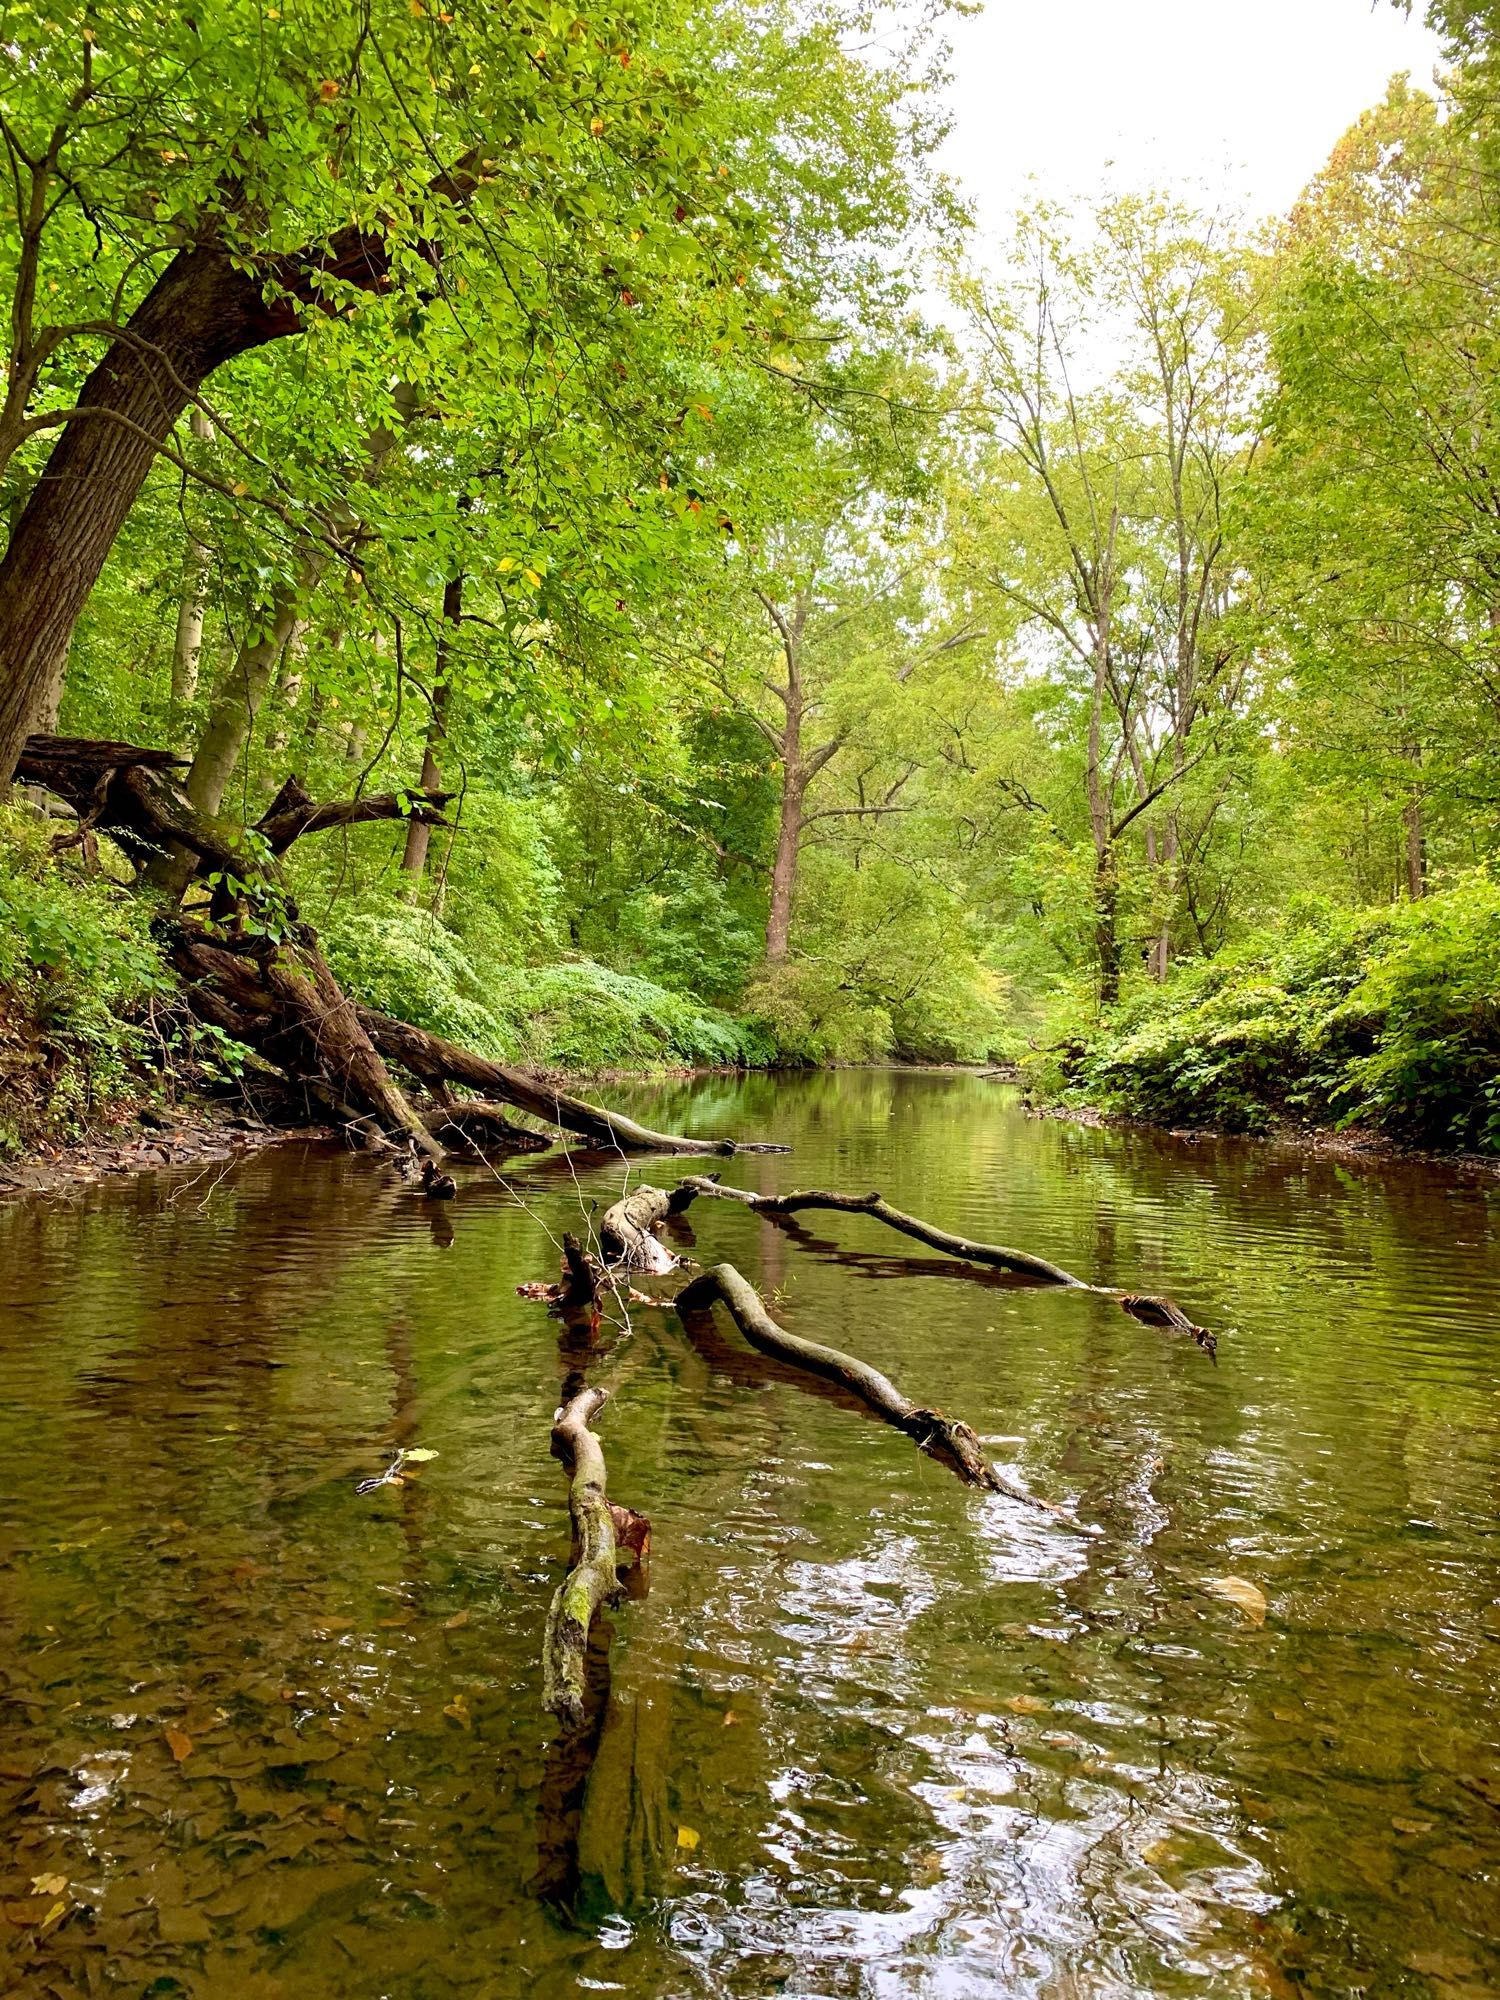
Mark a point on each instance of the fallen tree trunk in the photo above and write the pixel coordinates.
(627, 1230)
(943, 1438)
(314, 1031)
(436, 1062)
(1149, 1310)
(282, 993)
(602, 1535)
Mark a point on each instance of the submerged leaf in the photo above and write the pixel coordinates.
(180, 1743)
(687, 1836)
(1244, 1596)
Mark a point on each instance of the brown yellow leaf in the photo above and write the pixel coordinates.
(458, 1709)
(179, 1742)
(1025, 1704)
(49, 1885)
(456, 1622)
(687, 1836)
(730, 1718)
(1412, 1825)
(1242, 1595)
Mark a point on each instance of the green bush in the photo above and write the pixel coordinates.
(1387, 1017)
(77, 965)
(576, 1017)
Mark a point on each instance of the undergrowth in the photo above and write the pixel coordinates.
(78, 970)
(1386, 1018)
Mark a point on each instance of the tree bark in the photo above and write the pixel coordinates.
(784, 868)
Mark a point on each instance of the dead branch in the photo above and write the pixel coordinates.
(627, 1230)
(293, 812)
(943, 1438)
(1149, 1310)
(603, 1535)
(873, 1204)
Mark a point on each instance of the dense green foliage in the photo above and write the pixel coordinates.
(78, 975)
(1387, 1019)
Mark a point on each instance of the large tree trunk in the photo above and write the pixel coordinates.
(204, 309)
(784, 869)
(418, 834)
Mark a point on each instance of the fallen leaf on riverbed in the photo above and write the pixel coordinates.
(1025, 1704)
(1244, 1596)
(419, 1455)
(730, 1718)
(1413, 1825)
(179, 1743)
(48, 1885)
(456, 1622)
(458, 1708)
(687, 1836)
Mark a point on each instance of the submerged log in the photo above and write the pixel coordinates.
(943, 1438)
(477, 1123)
(1148, 1309)
(603, 1536)
(436, 1063)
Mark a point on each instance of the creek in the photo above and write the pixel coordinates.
(871, 1733)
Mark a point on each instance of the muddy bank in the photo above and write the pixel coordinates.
(141, 1142)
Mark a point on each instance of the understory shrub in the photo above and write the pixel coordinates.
(77, 968)
(575, 1016)
(1386, 1017)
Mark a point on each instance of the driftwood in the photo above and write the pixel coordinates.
(993, 1254)
(604, 1536)
(627, 1230)
(943, 1438)
(1149, 1310)
(477, 1122)
(437, 1063)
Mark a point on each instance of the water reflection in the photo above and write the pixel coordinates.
(871, 1733)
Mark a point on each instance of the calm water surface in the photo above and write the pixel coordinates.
(871, 1733)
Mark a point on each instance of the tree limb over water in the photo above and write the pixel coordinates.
(1147, 1308)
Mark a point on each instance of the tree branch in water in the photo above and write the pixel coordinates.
(603, 1536)
(1150, 1310)
(943, 1438)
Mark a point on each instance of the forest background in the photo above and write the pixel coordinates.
(838, 647)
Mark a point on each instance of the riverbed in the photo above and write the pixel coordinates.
(264, 1736)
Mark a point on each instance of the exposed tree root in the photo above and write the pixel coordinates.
(267, 983)
(953, 1443)
(1149, 1310)
(603, 1536)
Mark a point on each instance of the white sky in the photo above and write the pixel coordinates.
(1235, 101)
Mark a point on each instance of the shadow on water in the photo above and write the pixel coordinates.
(870, 1733)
